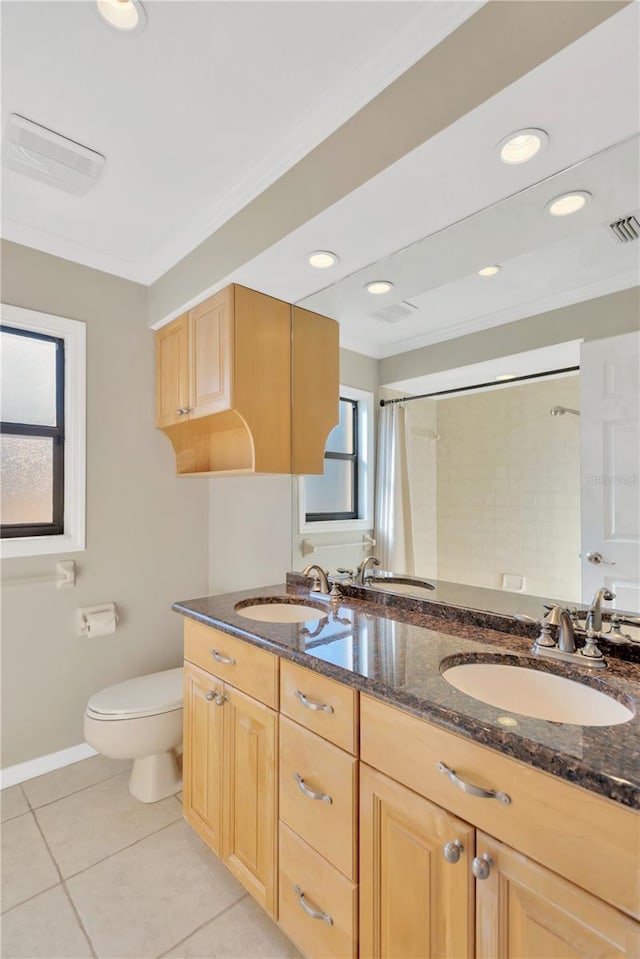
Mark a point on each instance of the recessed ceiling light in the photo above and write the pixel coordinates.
(568, 203)
(489, 270)
(378, 287)
(505, 376)
(321, 259)
(125, 15)
(522, 145)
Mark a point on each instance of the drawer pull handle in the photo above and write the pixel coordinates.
(470, 788)
(310, 793)
(310, 911)
(317, 707)
(219, 658)
(481, 866)
(452, 850)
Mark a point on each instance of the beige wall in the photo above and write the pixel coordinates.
(609, 315)
(146, 530)
(509, 488)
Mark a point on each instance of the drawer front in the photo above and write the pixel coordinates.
(249, 669)
(317, 905)
(328, 708)
(584, 837)
(319, 795)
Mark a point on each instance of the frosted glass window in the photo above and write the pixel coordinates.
(27, 479)
(333, 491)
(341, 438)
(28, 367)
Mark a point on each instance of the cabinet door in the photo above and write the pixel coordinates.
(528, 912)
(172, 372)
(249, 816)
(413, 902)
(202, 754)
(211, 354)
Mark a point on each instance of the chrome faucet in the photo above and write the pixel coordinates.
(566, 636)
(320, 579)
(594, 616)
(361, 571)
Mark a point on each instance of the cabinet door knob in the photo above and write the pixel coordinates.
(310, 911)
(209, 696)
(452, 850)
(481, 866)
(220, 699)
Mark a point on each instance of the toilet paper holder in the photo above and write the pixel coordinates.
(93, 621)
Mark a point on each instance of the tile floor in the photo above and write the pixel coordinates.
(88, 871)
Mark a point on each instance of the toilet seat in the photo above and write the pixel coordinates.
(149, 695)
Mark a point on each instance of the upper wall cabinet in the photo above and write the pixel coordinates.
(247, 383)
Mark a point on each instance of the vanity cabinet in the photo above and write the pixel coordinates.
(230, 756)
(556, 876)
(247, 383)
(523, 909)
(413, 902)
(318, 795)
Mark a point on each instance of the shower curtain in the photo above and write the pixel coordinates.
(393, 501)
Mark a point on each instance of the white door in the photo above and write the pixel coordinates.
(610, 466)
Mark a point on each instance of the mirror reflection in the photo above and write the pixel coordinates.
(515, 469)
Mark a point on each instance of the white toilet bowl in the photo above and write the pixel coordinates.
(141, 719)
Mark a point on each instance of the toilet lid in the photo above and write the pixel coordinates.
(143, 696)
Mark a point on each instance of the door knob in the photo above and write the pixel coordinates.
(481, 866)
(598, 560)
(452, 850)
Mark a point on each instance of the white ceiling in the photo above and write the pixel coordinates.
(586, 105)
(196, 115)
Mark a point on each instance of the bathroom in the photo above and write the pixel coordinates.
(152, 538)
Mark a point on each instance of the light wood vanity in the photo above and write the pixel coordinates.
(327, 804)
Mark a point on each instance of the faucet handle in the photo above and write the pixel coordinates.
(545, 638)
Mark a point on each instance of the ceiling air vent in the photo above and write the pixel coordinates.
(395, 312)
(49, 157)
(626, 229)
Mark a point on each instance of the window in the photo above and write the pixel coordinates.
(41, 433)
(334, 495)
(32, 433)
(341, 497)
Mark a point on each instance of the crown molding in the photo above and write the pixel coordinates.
(558, 300)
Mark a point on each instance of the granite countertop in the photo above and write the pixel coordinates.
(394, 651)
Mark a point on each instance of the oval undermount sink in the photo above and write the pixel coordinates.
(280, 612)
(537, 694)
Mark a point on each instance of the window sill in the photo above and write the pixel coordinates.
(39, 546)
(336, 526)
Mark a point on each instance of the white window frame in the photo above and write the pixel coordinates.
(73, 332)
(366, 467)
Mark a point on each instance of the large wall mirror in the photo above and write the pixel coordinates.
(518, 469)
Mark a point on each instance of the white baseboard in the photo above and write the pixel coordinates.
(44, 764)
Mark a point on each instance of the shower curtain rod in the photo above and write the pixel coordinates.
(480, 386)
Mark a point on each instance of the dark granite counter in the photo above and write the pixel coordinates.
(395, 651)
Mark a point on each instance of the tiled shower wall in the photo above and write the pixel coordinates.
(508, 488)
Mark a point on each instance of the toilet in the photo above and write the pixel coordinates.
(141, 719)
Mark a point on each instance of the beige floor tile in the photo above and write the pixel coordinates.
(46, 927)
(12, 803)
(69, 779)
(27, 867)
(87, 826)
(244, 931)
(145, 899)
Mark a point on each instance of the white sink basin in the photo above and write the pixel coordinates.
(281, 612)
(540, 695)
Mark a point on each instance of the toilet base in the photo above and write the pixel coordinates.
(155, 777)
